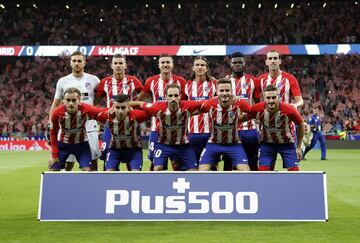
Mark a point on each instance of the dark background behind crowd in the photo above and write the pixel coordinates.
(27, 85)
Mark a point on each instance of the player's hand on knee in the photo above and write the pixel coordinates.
(52, 161)
(298, 153)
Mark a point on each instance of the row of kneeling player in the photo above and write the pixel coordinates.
(224, 114)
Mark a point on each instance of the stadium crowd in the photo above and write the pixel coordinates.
(176, 23)
(27, 85)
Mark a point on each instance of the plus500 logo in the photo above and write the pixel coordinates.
(196, 202)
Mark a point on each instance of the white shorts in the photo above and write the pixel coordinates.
(92, 135)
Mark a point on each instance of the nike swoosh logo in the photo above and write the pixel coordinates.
(197, 52)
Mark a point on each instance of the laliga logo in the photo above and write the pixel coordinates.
(195, 202)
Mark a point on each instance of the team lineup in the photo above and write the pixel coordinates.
(239, 119)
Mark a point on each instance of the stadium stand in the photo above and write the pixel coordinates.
(27, 85)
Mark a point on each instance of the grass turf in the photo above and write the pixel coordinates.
(19, 191)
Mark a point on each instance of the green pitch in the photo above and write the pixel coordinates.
(19, 191)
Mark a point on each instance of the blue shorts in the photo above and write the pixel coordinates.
(81, 151)
(132, 156)
(153, 137)
(180, 153)
(235, 152)
(198, 142)
(105, 142)
(268, 152)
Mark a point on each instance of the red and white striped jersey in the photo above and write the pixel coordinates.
(172, 127)
(155, 86)
(246, 88)
(125, 133)
(200, 91)
(110, 87)
(286, 83)
(276, 127)
(69, 128)
(224, 122)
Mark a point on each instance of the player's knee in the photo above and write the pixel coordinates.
(86, 169)
(204, 167)
(158, 168)
(243, 167)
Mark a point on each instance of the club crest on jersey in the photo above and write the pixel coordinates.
(88, 85)
(231, 114)
(206, 89)
(125, 86)
(279, 85)
(245, 86)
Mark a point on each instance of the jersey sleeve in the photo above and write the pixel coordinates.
(147, 86)
(102, 117)
(294, 115)
(100, 90)
(54, 130)
(254, 110)
(294, 86)
(182, 86)
(192, 106)
(96, 82)
(257, 88)
(59, 90)
(138, 85)
(206, 106)
(151, 108)
(243, 105)
(93, 111)
(140, 116)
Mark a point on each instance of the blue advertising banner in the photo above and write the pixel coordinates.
(210, 196)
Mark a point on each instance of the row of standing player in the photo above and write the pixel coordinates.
(200, 87)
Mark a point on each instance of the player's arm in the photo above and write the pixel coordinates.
(193, 107)
(295, 116)
(300, 135)
(295, 91)
(100, 92)
(138, 88)
(299, 102)
(140, 116)
(250, 114)
(136, 103)
(143, 96)
(146, 91)
(54, 129)
(56, 102)
(257, 90)
(94, 111)
(206, 106)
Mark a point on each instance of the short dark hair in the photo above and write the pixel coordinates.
(271, 88)
(237, 54)
(169, 86)
(73, 90)
(77, 53)
(118, 55)
(223, 81)
(122, 98)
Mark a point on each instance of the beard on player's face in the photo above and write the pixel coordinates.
(173, 105)
(71, 108)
